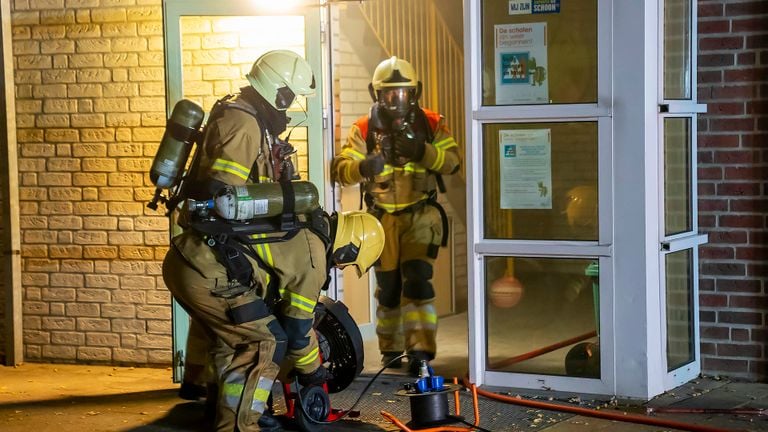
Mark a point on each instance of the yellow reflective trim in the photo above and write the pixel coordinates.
(399, 206)
(231, 167)
(303, 299)
(268, 252)
(389, 322)
(231, 389)
(302, 303)
(446, 143)
(387, 170)
(354, 154)
(410, 167)
(439, 160)
(309, 358)
(265, 179)
(348, 171)
(261, 395)
(420, 316)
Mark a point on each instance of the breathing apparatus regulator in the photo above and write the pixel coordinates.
(181, 133)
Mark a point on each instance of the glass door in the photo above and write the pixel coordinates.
(541, 180)
(210, 46)
(678, 260)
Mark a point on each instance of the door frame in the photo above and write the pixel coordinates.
(480, 248)
(173, 10)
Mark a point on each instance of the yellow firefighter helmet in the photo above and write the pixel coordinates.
(395, 86)
(358, 242)
(581, 210)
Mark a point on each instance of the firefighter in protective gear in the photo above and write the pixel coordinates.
(224, 289)
(358, 239)
(397, 152)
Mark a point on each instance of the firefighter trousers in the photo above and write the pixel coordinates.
(406, 317)
(300, 267)
(246, 354)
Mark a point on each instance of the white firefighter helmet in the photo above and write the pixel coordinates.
(279, 76)
(358, 242)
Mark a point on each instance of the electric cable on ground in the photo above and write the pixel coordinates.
(359, 398)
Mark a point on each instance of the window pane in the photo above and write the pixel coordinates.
(540, 181)
(539, 52)
(679, 282)
(677, 176)
(677, 49)
(543, 315)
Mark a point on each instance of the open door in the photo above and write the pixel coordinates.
(210, 46)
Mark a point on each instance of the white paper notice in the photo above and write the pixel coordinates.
(521, 63)
(526, 169)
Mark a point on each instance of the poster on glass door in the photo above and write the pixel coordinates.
(525, 169)
(521, 64)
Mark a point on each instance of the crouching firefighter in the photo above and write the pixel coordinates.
(220, 270)
(247, 340)
(399, 152)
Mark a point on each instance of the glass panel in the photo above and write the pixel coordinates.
(677, 49)
(678, 207)
(543, 315)
(540, 181)
(539, 51)
(217, 52)
(679, 283)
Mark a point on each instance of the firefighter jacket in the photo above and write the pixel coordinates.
(398, 187)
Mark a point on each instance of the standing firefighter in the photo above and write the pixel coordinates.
(398, 152)
(225, 281)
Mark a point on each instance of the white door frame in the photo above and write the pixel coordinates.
(632, 292)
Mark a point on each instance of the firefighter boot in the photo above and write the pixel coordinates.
(414, 361)
(317, 378)
(268, 423)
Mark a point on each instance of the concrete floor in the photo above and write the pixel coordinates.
(69, 398)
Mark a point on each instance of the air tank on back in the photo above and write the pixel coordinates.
(259, 200)
(180, 133)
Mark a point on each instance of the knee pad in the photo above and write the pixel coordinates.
(297, 331)
(389, 288)
(418, 276)
(281, 341)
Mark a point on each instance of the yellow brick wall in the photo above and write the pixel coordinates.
(90, 84)
(91, 109)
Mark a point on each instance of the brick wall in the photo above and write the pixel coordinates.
(91, 112)
(90, 109)
(733, 168)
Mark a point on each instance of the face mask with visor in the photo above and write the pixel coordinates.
(397, 101)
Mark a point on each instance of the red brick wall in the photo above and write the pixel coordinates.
(733, 186)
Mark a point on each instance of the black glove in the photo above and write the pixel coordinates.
(372, 165)
(409, 148)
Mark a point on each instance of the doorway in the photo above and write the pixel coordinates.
(209, 47)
